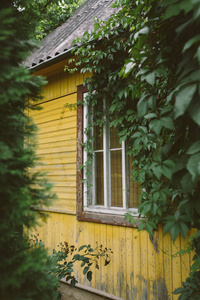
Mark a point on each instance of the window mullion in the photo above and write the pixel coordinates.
(106, 163)
(124, 176)
(85, 156)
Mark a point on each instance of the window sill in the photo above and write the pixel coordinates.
(110, 210)
(110, 218)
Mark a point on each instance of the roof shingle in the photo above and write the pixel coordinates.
(60, 40)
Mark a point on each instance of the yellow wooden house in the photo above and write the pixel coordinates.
(141, 267)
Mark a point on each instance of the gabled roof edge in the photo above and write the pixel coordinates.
(51, 61)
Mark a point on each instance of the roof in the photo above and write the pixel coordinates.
(58, 43)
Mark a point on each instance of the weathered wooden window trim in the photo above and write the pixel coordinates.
(90, 216)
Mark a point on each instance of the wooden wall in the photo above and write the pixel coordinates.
(141, 267)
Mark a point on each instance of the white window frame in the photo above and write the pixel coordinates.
(106, 208)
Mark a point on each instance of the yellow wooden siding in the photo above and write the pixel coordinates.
(141, 268)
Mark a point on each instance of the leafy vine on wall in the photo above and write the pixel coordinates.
(146, 60)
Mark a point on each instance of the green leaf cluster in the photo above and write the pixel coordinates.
(43, 15)
(67, 256)
(146, 60)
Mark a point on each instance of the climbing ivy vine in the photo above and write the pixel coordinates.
(146, 60)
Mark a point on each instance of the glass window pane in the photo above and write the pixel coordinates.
(116, 178)
(99, 183)
(98, 138)
(134, 189)
(114, 138)
(98, 129)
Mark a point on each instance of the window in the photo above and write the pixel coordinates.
(107, 188)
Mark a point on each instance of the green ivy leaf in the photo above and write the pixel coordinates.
(183, 229)
(183, 99)
(193, 165)
(85, 270)
(178, 291)
(167, 227)
(175, 230)
(167, 122)
(191, 42)
(195, 111)
(166, 171)
(70, 264)
(142, 105)
(149, 229)
(150, 116)
(197, 235)
(150, 78)
(73, 282)
(156, 125)
(197, 54)
(128, 68)
(174, 10)
(187, 182)
(83, 264)
(70, 270)
(194, 148)
(82, 247)
(157, 171)
(89, 275)
(146, 207)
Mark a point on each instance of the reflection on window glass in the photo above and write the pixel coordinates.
(99, 184)
(114, 138)
(116, 178)
(134, 189)
(98, 134)
(110, 163)
(98, 129)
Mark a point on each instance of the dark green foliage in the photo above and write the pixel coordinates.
(43, 15)
(148, 65)
(46, 15)
(22, 272)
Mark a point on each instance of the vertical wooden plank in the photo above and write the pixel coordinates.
(116, 261)
(144, 264)
(185, 260)
(129, 264)
(109, 268)
(104, 277)
(79, 78)
(193, 231)
(71, 222)
(122, 262)
(55, 86)
(62, 229)
(50, 88)
(81, 241)
(47, 236)
(64, 83)
(136, 264)
(160, 288)
(167, 259)
(98, 273)
(72, 82)
(152, 250)
(176, 265)
(56, 230)
(91, 240)
(44, 94)
(86, 74)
